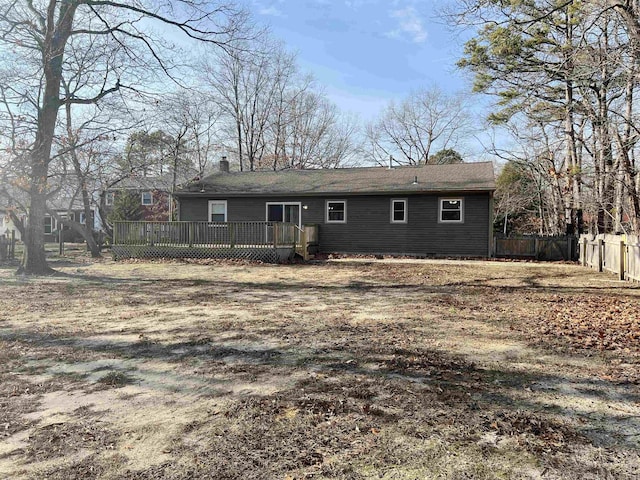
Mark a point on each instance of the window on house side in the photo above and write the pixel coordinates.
(147, 198)
(451, 210)
(108, 199)
(217, 210)
(336, 211)
(83, 218)
(49, 224)
(398, 211)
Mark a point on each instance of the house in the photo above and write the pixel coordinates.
(428, 210)
(75, 213)
(7, 226)
(63, 207)
(154, 194)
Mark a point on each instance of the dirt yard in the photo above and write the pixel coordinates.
(348, 369)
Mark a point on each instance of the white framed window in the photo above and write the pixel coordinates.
(336, 211)
(83, 218)
(399, 213)
(290, 212)
(109, 198)
(217, 211)
(49, 224)
(147, 198)
(451, 210)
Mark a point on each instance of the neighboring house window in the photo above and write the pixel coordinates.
(398, 211)
(217, 210)
(336, 211)
(451, 210)
(49, 224)
(108, 199)
(83, 218)
(147, 198)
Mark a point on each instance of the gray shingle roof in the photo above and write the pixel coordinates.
(140, 183)
(371, 180)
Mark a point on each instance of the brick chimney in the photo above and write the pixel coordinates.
(224, 165)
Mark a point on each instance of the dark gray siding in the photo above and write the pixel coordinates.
(369, 228)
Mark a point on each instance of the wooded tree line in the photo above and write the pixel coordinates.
(565, 75)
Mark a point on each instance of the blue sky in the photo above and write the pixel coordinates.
(367, 52)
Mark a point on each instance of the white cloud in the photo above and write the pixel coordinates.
(271, 10)
(408, 24)
(356, 4)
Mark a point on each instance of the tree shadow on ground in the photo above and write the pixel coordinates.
(427, 377)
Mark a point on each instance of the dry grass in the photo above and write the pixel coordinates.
(346, 369)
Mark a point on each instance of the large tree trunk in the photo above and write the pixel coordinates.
(58, 31)
(34, 261)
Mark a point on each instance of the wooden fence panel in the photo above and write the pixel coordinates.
(540, 248)
(619, 254)
(633, 258)
(611, 255)
(515, 247)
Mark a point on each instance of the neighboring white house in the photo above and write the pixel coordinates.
(6, 225)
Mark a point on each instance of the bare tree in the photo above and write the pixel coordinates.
(249, 84)
(274, 115)
(42, 38)
(316, 135)
(411, 131)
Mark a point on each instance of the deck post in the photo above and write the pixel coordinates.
(232, 234)
(305, 245)
(191, 232)
(275, 234)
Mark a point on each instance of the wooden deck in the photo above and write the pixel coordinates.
(271, 242)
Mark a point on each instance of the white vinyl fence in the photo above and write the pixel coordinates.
(619, 254)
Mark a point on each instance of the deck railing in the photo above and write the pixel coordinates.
(206, 234)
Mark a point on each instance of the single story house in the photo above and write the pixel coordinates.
(427, 210)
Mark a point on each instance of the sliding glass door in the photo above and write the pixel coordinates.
(284, 212)
(288, 212)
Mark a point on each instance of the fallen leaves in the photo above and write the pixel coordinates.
(603, 322)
